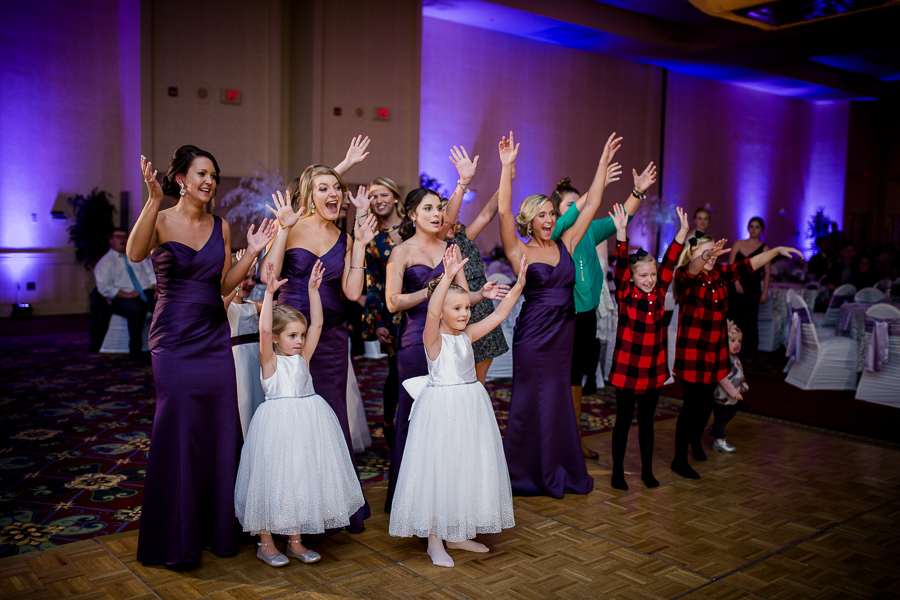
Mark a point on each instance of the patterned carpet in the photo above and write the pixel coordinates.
(75, 433)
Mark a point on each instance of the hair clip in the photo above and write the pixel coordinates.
(693, 241)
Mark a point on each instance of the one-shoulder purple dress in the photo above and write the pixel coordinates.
(542, 443)
(411, 362)
(195, 444)
(328, 366)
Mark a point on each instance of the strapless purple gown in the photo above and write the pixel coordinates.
(328, 366)
(542, 443)
(411, 362)
(195, 444)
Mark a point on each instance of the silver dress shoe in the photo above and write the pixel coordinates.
(310, 556)
(723, 446)
(279, 560)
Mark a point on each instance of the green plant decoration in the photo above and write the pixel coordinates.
(817, 227)
(92, 222)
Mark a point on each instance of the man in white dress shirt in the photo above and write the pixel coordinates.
(129, 287)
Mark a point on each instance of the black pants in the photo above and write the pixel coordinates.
(743, 309)
(695, 411)
(586, 350)
(722, 413)
(135, 312)
(100, 314)
(646, 408)
(391, 391)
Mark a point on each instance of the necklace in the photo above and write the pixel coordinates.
(390, 229)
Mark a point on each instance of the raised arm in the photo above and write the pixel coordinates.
(466, 170)
(573, 235)
(355, 260)
(486, 215)
(267, 360)
(316, 316)
(286, 219)
(764, 258)
(232, 275)
(512, 245)
(696, 265)
(667, 269)
(485, 326)
(431, 335)
(642, 183)
(143, 236)
(767, 278)
(355, 154)
(613, 173)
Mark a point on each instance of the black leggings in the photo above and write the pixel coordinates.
(695, 411)
(586, 348)
(646, 408)
(391, 391)
(723, 413)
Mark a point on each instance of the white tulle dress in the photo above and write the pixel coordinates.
(454, 482)
(295, 474)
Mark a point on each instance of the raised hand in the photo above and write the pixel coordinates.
(272, 283)
(645, 179)
(360, 200)
(619, 217)
(508, 150)
(260, 239)
(494, 291)
(356, 153)
(315, 278)
(683, 220)
(283, 212)
(149, 174)
(717, 250)
(240, 254)
(465, 167)
(788, 252)
(452, 263)
(364, 231)
(613, 171)
(609, 150)
(523, 267)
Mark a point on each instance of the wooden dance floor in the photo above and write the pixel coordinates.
(794, 514)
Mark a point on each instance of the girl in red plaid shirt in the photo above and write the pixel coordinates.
(639, 363)
(701, 348)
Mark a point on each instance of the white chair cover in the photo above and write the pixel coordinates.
(116, 339)
(769, 340)
(880, 380)
(828, 364)
(869, 295)
(842, 295)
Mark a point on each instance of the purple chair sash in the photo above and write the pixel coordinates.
(795, 337)
(838, 301)
(879, 342)
(846, 315)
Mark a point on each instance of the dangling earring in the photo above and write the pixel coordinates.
(530, 232)
(182, 189)
(312, 210)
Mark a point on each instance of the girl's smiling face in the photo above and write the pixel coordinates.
(456, 311)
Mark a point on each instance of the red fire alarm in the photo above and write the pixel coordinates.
(227, 96)
(382, 114)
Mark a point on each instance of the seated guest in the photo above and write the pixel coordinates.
(820, 263)
(842, 269)
(864, 275)
(128, 287)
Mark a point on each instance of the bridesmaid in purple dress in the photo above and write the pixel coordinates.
(307, 234)
(411, 266)
(542, 443)
(188, 500)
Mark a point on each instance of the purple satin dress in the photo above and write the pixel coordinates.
(411, 362)
(542, 443)
(328, 366)
(195, 444)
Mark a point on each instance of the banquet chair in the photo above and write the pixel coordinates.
(116, 339)
(827, 364)
(880, 380)
(884, 285)
(869, 295)
(842, 295)
(768, 340)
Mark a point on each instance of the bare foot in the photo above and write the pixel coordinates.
(438, 554)
(469, 546)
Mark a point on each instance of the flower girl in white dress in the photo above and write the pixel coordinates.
(295, 474)
(454, 483)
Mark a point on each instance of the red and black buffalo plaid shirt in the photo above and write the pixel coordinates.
(701, 348)
(639, 362)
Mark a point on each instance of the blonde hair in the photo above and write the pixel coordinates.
(641, 257)
(393, 189)
(529, 209)
(301, 189)
(432, 285)
(282, 316)
(687, 255)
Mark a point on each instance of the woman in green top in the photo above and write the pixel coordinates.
(589, 277)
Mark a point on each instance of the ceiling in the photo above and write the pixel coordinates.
(849, 57)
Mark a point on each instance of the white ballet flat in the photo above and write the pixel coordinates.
(310, 556)
(279, 560)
